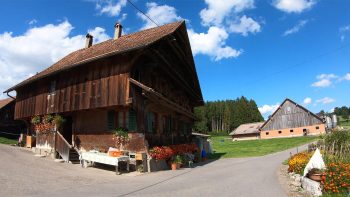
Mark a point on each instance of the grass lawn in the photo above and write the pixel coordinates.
(4, 140)
(226, 148)
(344, 123)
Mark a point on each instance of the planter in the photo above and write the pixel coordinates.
(174, 166)
(316, 177)
(30, 141)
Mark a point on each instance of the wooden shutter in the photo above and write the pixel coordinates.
(132, 120)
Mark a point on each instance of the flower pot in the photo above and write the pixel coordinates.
(315, 177)
(174, 166)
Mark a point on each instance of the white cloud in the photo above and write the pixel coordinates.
(324, 80)
(343, 31)
(99, 34)
(325, 100)
(32, 22)
(38, 48)
(296, 28)
(268, 109)
(110, 7)
(307, 101)
(244, 26)
(212, 43)
(296, 6)
(219, 9)
(161, 14)
(347, 77)
(331, 110)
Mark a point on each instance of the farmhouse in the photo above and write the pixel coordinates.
(291, 119)
(145, 82)
(9, 127)
(247, 131)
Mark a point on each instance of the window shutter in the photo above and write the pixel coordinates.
(110, 120)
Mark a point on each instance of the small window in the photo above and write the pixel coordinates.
(110, 120)
(279, 132)
(317, 127)
(267, 133)
(291, 131)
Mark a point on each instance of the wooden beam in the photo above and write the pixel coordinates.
(152, 94)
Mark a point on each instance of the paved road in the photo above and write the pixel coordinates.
(22, 174)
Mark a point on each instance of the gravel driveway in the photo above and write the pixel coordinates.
(22, 174)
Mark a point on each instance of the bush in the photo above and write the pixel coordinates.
(298, 162)
(336, 179)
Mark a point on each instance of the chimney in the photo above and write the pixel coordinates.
(117, 30)
(88, 42)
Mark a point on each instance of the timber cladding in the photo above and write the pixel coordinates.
(101, 84)
(290, 115)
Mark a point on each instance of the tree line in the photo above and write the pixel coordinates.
(226, 115)
(343, 112)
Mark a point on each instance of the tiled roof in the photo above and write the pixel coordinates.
(110, 47)
(247, 128)
(4, 102)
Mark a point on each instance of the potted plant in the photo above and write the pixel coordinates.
(315, 174)
(176, 162)
(58, 121)
(121, 137)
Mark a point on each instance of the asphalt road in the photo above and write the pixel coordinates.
(22, 174)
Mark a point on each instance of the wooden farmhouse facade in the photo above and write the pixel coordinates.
(291, 119)
(145, 82)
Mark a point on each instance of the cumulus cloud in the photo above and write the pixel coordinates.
(296, 28)
(293, 6)
(110, 7)
(324, 80)
(212, 43)
(219, 9)
(244, 26)
(161, 14)
(307, 101)
(268, 109)
(325, 100)
(23, 55)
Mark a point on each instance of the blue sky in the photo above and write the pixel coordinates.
(265, 50)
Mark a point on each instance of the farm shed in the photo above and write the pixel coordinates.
(249, 131)
(9, 127)
(290, 120)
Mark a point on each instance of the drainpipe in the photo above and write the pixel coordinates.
(10, 95)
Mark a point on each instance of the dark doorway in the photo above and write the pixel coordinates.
(67, 129)
(305, 132)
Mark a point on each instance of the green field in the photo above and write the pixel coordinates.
(344, 123)
(224, 147)
(4, 140)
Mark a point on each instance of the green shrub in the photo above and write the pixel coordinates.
(337, 145)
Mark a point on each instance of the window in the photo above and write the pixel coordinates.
(279, 132)
(110, 120)
(151, 122)
(132, 120)
(167, 124)
(291, 131)
(317, 127)
(267, 133)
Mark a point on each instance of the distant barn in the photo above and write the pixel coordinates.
(291, 119)
(247, 131)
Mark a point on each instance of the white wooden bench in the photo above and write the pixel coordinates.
(103, 158)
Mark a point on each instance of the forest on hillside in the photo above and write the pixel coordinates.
(217, 116)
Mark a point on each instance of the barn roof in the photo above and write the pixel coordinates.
(5, 102)
(104, 49)
(248, 128)
(301, 107)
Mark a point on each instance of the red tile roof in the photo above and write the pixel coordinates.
(5, 102)
(110, 47)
